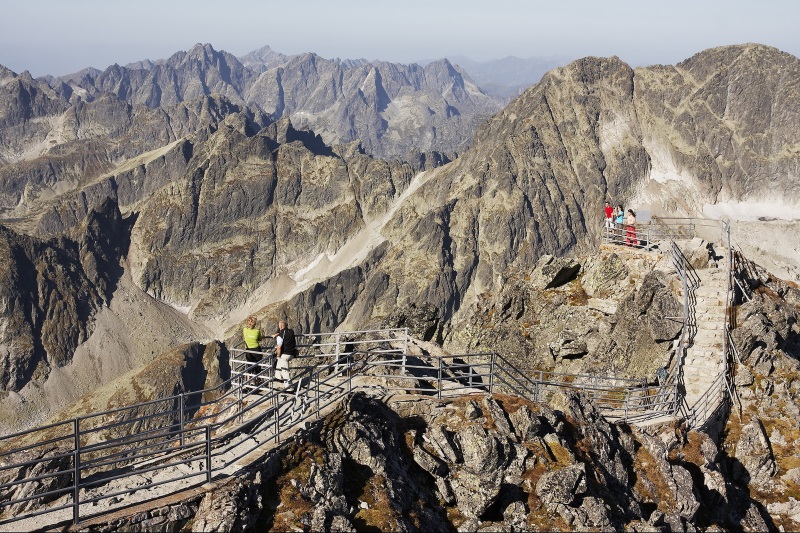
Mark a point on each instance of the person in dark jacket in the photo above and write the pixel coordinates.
(285, 349)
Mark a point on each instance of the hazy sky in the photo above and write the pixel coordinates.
(62, 36)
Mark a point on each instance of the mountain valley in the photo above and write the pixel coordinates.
(146, 211)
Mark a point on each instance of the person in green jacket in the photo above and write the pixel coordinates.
(252, 340)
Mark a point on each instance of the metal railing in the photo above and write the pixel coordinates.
(648, 235)
(689, 283)
(201, 434)
(193, 435)
(722, 392)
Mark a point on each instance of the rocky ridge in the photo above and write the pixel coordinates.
(243, 214)
(479, 463)
(391, 109)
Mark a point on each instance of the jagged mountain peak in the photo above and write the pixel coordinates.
(205, 54)
(6, 73)
(263, 58)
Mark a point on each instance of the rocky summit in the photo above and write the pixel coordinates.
(391, 109)
(148, 210)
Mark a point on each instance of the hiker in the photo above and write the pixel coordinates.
(252, 340)
(609, 212)
(285, 349)
(619, 217)
(630, 229)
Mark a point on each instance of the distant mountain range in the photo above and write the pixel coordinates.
(507, 77)
(391, 109)
(227, 211)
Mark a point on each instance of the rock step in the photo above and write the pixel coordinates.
(708, 335)
(711, 326)
(706, 343)
(699, 373)
(699, 370)
(705, 351)
(711, 307)
(712, 302)
(700, 362)
(699, 351)
(711, 289)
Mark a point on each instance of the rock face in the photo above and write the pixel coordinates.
(51, 292)
(234, 213)
(564, 328)
(417, 464)
(251, 213)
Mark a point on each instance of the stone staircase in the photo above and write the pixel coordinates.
(705, 358)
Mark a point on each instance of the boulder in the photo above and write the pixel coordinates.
(498, 415)
(441, 441)
(481, 451)
(563, 486)
(233, 507)
(551, 272)
(475, 492)
(569, 345)
(756, 464)
(527, 424)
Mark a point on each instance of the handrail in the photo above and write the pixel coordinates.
(246, 400)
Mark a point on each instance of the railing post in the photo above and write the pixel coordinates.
(491, 373)
(183, 421)
(627, 398)
(349, 377)
(439, 384)
(208, 454)
(317, 380)
(240, 386)
(76, 476)
(277, 421)
(405, 350)
(338, 350)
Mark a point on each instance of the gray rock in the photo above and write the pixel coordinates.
(475, 492)
(340, 524)
(562, 486)
(499, 416)
(235, 506)
(481, 451)
(471, 410)
(442, 443)
(445, 491)
(551, 272)
(431, 464)
(756, 463)
(526, 424)
(569, 345)
(744, 378)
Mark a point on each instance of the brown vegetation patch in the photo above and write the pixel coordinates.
(454, 516)
(577, 294)
(381, 515)
(785, 454)
(690, 452)
(285, 490)
(512, 404)
(562, 455)
(656, 492)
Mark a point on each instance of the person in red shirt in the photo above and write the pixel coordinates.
(609, 212)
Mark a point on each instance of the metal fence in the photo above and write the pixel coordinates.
(100, 457)
(715, 401)
(648, 235)
(202, 434)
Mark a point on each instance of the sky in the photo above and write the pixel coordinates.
(63, 36)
